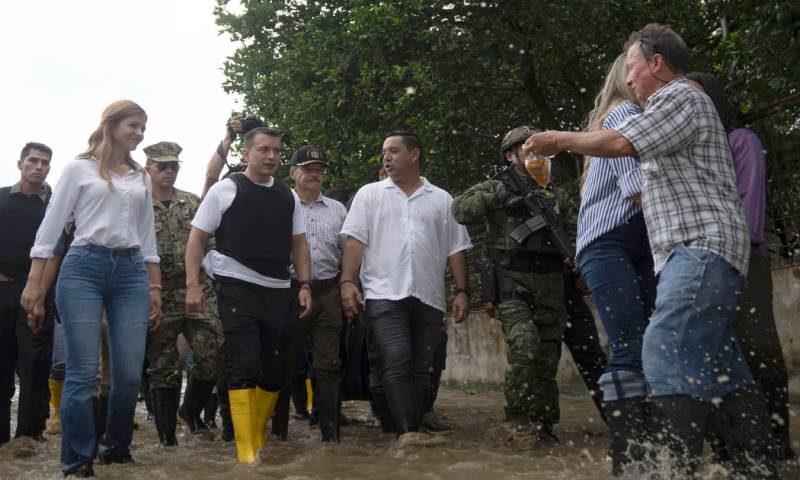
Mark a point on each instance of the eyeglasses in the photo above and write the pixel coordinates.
(174, 166)
(644, 40)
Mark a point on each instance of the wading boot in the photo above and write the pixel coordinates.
(280, 419)
(682, 429)
(330, 402)
(210, 411)
(749, 441)
(243, 415)
(165, 408)
(225, 414)
(627, 428)
(776, 392)
(100, 409)
(265, 402)
(53, 425)
(194, 400)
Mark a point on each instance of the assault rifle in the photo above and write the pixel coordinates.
(541, 212)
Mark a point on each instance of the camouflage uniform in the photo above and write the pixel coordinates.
(202, 331)
(531, 302)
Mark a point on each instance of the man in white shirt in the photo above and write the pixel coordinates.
(402, 233)
(260, 230)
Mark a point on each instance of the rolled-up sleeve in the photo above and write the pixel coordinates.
(147, 227)
(666, 126)
(61, 205)
(457, 233)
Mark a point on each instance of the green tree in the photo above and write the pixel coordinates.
(341, 73)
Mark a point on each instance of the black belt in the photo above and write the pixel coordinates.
(536, 262)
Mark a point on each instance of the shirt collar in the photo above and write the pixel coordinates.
(426, 185)
(320, 199)
(43, 194)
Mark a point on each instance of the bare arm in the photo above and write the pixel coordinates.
(39, 281)
(195, 249)
(301, 259)
(351, 262)
(156, 315)
(601, 143)
(217, 162)
(458, 268)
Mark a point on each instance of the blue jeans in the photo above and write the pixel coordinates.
(57, 363)
(618, 269)
(92, 278)
(690, 347)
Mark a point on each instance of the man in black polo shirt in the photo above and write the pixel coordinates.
(23, 348)
(260, 230)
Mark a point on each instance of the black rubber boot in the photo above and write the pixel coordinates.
(400, 396)
(225, 413)
(776, 392)
(330, 404)
(749, 438)
(300, 398)
(100, 408)
(280, 416)
(682, 429)
(628, 425)
(382, 412)
(194, 399)
(210, 411)
(165, 403)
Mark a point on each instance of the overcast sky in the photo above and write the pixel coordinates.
(63, 62)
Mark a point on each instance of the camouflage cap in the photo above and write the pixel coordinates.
(307, 154)
(163, 152)
(515, 136)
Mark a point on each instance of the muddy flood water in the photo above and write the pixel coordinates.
(479, 448)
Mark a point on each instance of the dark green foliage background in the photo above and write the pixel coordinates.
(342, 73)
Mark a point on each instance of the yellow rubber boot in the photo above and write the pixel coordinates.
(309, 396)
(265, 405)
(242, 404)
(54, 424)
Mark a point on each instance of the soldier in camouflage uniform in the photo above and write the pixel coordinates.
(174, 211)
(529, 300)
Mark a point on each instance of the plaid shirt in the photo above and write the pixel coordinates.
(689, 195)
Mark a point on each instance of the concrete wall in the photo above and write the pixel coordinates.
(476, 350)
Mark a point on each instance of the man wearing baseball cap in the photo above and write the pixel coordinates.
(174, 211)
(324, 219)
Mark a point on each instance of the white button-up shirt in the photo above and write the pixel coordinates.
(122, 218)
(408, 241)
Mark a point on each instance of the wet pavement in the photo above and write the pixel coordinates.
(479, 448)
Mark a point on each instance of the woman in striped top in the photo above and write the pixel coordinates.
(614, 257)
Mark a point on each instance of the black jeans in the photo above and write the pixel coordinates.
(29, 355)
(408, 335)
(255, 321)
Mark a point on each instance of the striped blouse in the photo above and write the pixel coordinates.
(605, 203)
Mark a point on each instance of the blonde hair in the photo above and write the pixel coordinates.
(101, 144)
(615, 91)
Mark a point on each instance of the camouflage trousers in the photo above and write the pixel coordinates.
(202, 332)
(533, 320)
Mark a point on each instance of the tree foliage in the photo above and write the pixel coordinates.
(341, 73)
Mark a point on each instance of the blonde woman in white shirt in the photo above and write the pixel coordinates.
(112, 265)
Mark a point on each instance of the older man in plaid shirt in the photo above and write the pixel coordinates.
(699, 238)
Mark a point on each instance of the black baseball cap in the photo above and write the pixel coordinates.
(307, 154)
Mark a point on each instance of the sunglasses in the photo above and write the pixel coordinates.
(645, 41)
(174, 166)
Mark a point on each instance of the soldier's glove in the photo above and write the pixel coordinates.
(510, 202)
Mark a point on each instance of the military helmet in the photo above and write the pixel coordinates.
(514, 137)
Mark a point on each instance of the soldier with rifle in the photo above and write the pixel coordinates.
(522, 276)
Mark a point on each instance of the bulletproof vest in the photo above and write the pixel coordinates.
(256, 230)
(20, 216)
(500, 225)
